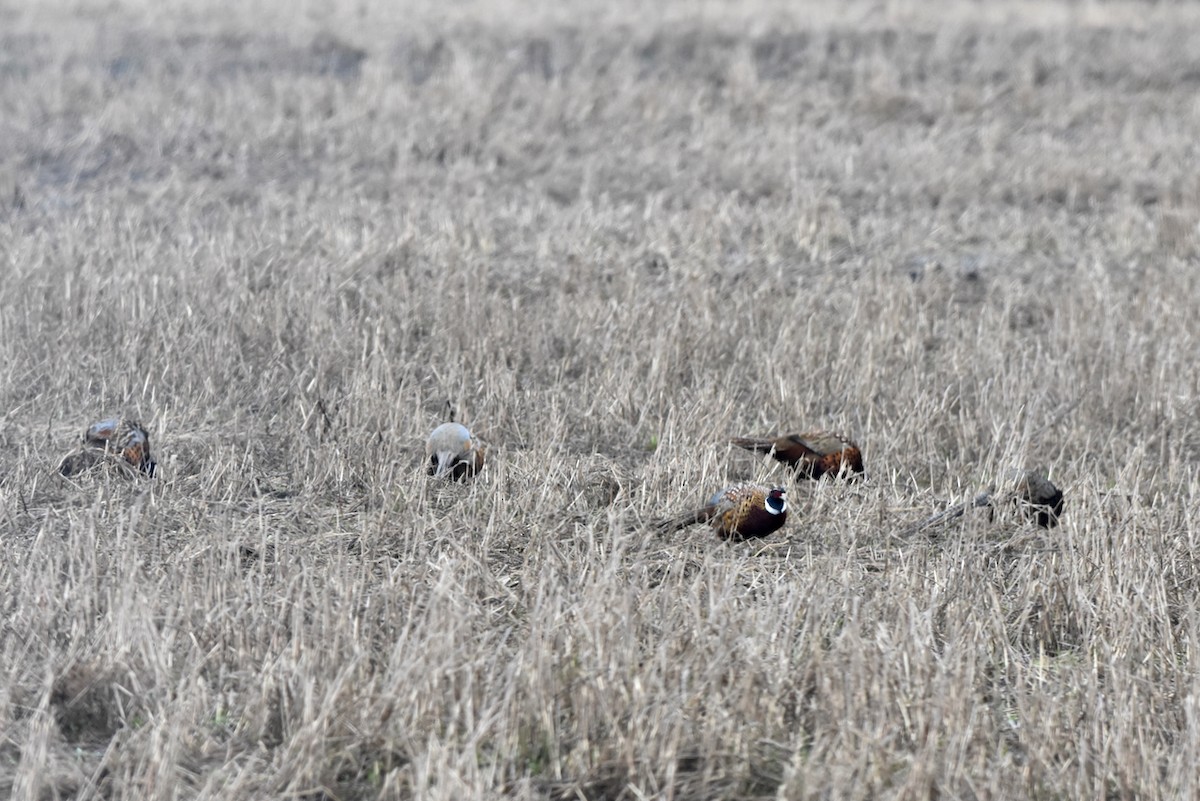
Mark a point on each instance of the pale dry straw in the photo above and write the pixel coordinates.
(613, 240)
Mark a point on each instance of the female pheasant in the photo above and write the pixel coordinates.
(810, 455)
(738, 512)
(452, 451)
(1038, 498)
(117, 436)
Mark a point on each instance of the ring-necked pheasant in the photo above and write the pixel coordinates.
(452, 451)
(810, 455)
(738, 512)
(117, 436)
(1034, 495)
(1038, 498)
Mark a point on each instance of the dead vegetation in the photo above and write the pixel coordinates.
(612, 240)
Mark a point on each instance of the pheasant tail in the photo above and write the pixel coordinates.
(753, 444)
(701, 515)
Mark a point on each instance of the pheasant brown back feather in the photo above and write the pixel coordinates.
(810, 455)
(125, 438)
(738, 512)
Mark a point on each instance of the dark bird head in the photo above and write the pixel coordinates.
(1037, 496)
(776, 501)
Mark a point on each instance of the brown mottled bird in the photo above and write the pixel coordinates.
(452, 451)
(810, 455)
(738, 512)
(1034, 496)
(118, 437)
(1038, 498)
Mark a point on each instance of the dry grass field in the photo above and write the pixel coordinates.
(285, 236)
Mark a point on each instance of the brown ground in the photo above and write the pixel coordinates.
(285, 237)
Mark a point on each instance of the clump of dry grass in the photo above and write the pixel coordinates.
(612, 241)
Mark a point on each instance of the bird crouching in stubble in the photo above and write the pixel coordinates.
(810, 455)
(738, 512)
(1033, 495)
(1038, 498)
(117, 440)
(452, 452)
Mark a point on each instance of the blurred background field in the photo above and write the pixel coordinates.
(285, 236)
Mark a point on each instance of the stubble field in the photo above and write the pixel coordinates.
(611, 238)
